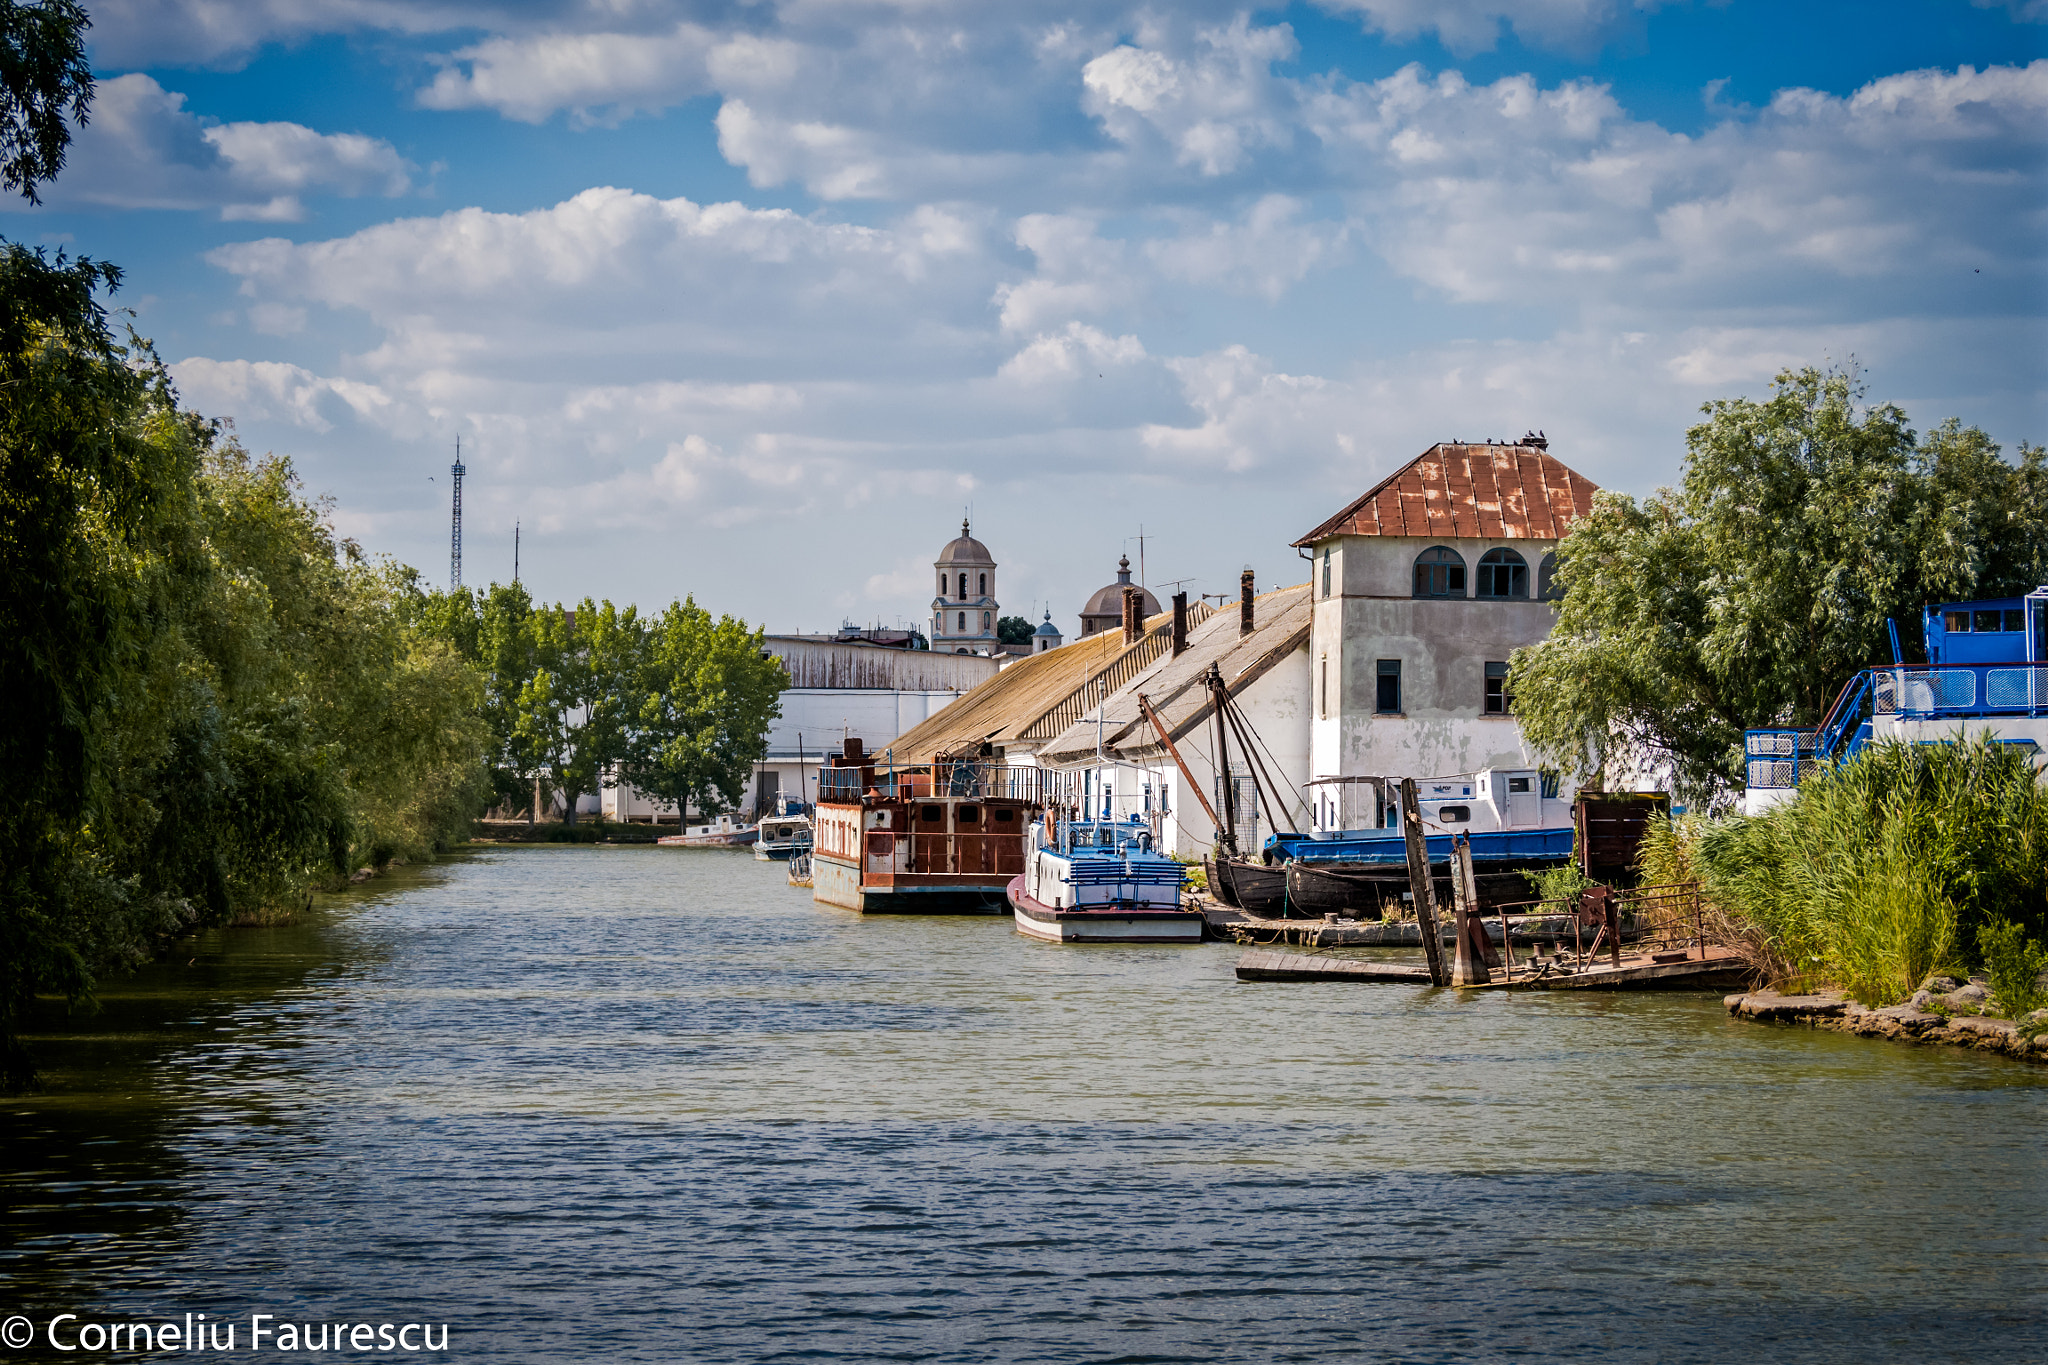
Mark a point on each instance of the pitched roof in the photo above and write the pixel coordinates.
(1038, 696)
(1174, 685)
(1487, 492)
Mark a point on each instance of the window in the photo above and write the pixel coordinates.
(1326, 571)
(984, 584)
(1323, 684)
(963, 621)
(1003, 817)
(1989, 620)
(942, 582)
(1454, 815)
(1439, 572)
(1518, 784)
(931, 815)
(1546, 579)
(984, 620)
(2015, 620)
(1548, 783)
(963, 587)
(1499, 701)
(1389, 700)
(968, 815)
(1956, 622)
(1503, 573)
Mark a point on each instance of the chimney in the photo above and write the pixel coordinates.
(1133, 622)
(1244, 606)
(852, 749)
(1180, 622)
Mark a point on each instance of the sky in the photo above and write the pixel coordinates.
(753, 300)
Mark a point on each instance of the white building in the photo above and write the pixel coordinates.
(1423, 588)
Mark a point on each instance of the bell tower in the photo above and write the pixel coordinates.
(964, 609)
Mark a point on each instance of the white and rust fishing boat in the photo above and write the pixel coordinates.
(1101, 881)
(724, 832)
(941, 839)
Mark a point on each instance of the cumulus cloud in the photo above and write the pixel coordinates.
(144, 149)
(257, 390)
(599, 76)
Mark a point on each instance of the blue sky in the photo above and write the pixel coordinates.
(749, 300)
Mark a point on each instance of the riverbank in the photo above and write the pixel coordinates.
(1942, 1013)
(555, 832)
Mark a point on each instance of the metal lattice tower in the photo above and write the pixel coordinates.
(455, 544)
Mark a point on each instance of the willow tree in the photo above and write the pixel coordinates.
(1749, 594)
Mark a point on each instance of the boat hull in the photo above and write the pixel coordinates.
(777, 853)
(1101, 924)
(736, 839)
(836, 881)
(1254, 888)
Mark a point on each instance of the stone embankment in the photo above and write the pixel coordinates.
(1943, 1011)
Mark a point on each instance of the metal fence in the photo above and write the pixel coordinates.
(965, 779)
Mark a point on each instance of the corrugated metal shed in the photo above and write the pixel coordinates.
(1488, 492)
(1034, 698)
(1175, 686)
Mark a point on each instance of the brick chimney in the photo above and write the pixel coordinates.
(1244, 603)
(1133, 622)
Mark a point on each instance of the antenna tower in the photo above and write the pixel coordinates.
(455, 543)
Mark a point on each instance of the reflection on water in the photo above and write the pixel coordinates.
(652, 1104)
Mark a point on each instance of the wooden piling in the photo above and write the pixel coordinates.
(1470, 962)
(1422, 885)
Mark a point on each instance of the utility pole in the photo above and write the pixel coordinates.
(515, 552)
(455, 543)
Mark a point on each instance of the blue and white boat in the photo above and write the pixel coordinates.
(1986, 676)
(1101, 881)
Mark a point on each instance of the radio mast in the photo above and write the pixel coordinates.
(455, 544)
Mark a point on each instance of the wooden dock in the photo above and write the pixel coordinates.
(1714, 969)
(1266, 964)
(1231, 925)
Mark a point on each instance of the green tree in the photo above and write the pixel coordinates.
(575, 712)
(1014, 630)
(44, 76)
(710, 692)
(1749, 595)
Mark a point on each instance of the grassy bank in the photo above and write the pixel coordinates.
(1904, 861)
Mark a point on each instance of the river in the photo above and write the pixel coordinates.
(641, 1104)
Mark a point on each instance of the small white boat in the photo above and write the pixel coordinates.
(782, 836)
(724, 832)
(1101, 881)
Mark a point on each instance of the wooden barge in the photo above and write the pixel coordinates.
(941, 839)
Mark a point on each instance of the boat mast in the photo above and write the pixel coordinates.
(1228, 834)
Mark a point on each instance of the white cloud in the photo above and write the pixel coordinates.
(256, 390)
(1265, 252)
(600, 76)
(1214, 105)
(1466, 26)
(144, 149)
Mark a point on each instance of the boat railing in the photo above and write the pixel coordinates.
(966, 780)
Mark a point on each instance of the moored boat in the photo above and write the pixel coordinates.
(724, 832)
(1101, 881)
(782, 836)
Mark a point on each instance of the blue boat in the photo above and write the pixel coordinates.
(1101, 881)
(1986, 675)
(1385, 848)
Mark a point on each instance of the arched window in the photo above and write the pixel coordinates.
(1503, 573)
(942, 582)
(984, 584)
(1546, 579)
(1439, 572)
(963, 621)
(984, 620)
(963, 587)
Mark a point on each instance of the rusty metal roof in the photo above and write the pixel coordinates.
(1485, 492)
(1037, 696)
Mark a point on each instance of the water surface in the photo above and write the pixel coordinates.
(651, 1104)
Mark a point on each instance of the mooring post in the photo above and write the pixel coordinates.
(1420, 882)
(1470, 963)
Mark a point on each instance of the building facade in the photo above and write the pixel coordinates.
(1423, 588)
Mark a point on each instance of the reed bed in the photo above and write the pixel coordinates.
(1878, 871)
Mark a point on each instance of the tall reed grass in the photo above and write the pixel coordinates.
(1879, 870)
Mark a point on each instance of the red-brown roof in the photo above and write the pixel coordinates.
(1485, 492)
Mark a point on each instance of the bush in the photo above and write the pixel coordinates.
(2014, 966)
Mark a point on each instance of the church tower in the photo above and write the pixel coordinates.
(964, 611)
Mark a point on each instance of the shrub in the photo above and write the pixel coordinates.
(2014, 966)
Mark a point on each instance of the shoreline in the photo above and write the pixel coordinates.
(1906, 1023)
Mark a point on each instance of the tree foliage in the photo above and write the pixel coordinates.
(44, 76)
(1749, 595)
(709, 692)
(1014, 630)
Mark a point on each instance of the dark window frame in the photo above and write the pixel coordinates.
(1383, 676)
(1498, 700)
(1502, 567)
(1440, 572)
(1454, 815)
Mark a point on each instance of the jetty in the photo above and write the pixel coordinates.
(1710, 969)
(1229, 924)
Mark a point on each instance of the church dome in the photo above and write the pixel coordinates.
(1106, 607)
(1047, 627)
(965, 550)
